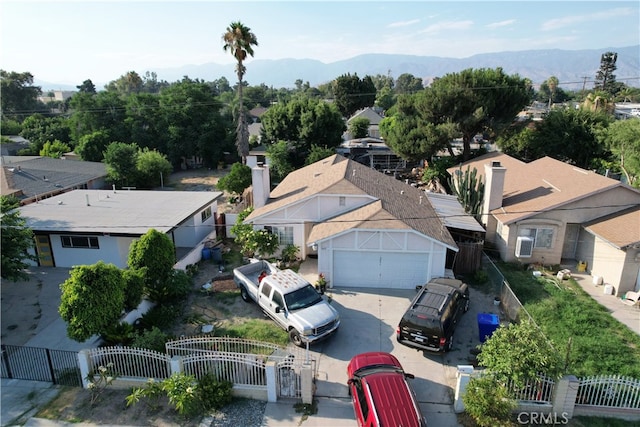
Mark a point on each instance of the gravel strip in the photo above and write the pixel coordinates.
(239, 413)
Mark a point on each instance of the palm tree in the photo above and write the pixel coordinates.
(239, 40)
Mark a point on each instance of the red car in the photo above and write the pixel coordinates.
(380, 392)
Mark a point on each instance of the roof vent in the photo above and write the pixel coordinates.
(401, 191)
(60, 202)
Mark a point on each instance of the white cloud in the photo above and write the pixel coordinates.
(403, 23)
(501, 23)
(448, 26)
(554, 24)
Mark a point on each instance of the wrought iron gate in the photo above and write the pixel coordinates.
(40, 364)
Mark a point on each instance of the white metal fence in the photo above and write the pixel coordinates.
(264, 368)
(613, 391)
(131, 362)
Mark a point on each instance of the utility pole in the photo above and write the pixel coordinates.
(584, 84)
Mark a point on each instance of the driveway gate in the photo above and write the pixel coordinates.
(40, 364)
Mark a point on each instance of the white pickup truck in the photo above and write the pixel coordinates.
(288, 299)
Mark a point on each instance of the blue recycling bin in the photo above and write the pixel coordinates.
(487, 323)
(216, 254)
(206, 254)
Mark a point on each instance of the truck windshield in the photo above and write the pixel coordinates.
(302, 298)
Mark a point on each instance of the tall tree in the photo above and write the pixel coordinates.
(121, 160)
(568, 135)
(605, 79)
(16, 241)
(622, 137)
(127, 84)
(352, 93)
(475, 100)
(407, 84)
(152, 168)
(239, 40)
(155, 253)
(87, 86)
(552, 82)
(19, 96)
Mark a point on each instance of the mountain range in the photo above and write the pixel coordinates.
(575, 69)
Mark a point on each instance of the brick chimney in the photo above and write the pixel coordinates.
(494, 174)
(261, 184)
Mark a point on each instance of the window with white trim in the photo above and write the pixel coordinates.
(543, 237)
(205, 214)
(82, 242)
(285, 234)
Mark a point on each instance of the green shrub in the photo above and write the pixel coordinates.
(487, 402)
(121, 333)
(289, 253)
(153, 339)
(176, 288)
(162, 316)
(214, 394)
(134, 288)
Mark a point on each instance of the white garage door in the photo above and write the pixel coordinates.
(379, 269)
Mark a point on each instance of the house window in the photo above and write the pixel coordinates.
(543, 237)
(342, 201)
(285, 235)
(206, 214)
(85, 242)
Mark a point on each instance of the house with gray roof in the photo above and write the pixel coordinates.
(553, 213)
(367, 229)
(33, 178)
(87, 226)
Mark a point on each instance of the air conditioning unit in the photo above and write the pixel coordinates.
(524, 247)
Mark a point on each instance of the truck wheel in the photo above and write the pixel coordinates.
(244, 294)
(294, 336)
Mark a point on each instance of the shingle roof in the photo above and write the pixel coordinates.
(542, 185)
(621, 229)
(120, 212)
(395, 205)
(43, 175)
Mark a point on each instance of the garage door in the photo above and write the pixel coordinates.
(379, 269)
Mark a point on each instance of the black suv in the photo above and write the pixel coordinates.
(431, 319)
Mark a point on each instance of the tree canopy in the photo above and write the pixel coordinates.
(17, 240)
(155, 253)
(19, 95)
(622, 137)
(569, 135)
(92, 299)
(458, 104)
(237, 180)
(519, 352)
(352, 93)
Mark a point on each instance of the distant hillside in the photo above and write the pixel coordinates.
(571, 67)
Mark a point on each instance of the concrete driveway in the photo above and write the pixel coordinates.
(369, 319)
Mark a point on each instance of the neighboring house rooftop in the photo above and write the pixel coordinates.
(29, 176)
(368, 113)
(120, 212)
(394, 204)
(621, 229)
(541, 185)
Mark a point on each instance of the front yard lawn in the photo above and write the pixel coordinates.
(595, 342)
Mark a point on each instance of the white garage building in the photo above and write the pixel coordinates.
(366, 228)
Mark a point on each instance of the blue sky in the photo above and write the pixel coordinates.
(68, 42)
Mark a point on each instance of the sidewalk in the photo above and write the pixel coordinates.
(625, 314)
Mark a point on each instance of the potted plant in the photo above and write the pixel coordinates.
(321, 284)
